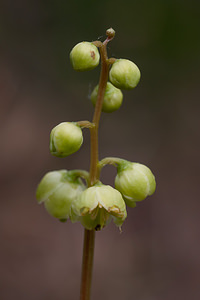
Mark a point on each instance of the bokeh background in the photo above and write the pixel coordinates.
(157, 255)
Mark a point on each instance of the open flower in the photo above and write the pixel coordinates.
(97, 205)
(58, 190)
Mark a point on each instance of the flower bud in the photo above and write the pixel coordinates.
(124, 74)
(58, 190)
(65, 139)
(97, 205)
(135, 181)
(112, 99)
(110, 33)
(84, 56)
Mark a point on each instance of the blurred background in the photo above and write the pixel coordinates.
(157, 255)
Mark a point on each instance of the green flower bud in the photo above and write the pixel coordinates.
(65, 139)
(84, 56)
(124, 74)
(58, 190)
(112, 99)
(135, 181)
(97, 205)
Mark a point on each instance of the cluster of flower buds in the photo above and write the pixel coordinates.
(68, 194)
(124, 74)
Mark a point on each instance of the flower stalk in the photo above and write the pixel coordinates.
(87, 264)
(89, 235)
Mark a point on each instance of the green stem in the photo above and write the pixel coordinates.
(85, 124)
(89, 235)
(119, 163)
(74, 174)
(114, 161)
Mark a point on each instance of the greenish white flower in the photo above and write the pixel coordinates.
(124, 74)
(65, 139)
(135, 182)
(97, 205)
(84, 56)
(57, 190)
(112, 99)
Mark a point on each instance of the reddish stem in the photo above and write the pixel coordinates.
(89, 235)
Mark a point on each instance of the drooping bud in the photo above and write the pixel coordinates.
(97, 205)
(124, 74)
(135, 182)
(110, 33)
(58, 190)
(112, 99)
(84, 56)
(65, 139)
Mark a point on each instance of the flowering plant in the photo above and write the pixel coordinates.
(79, 195)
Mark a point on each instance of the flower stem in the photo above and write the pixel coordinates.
(114, 161)
(85, 124)
(89, 235)
(94, 176)
(87, 265)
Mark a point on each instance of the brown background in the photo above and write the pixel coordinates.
(157, 255)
